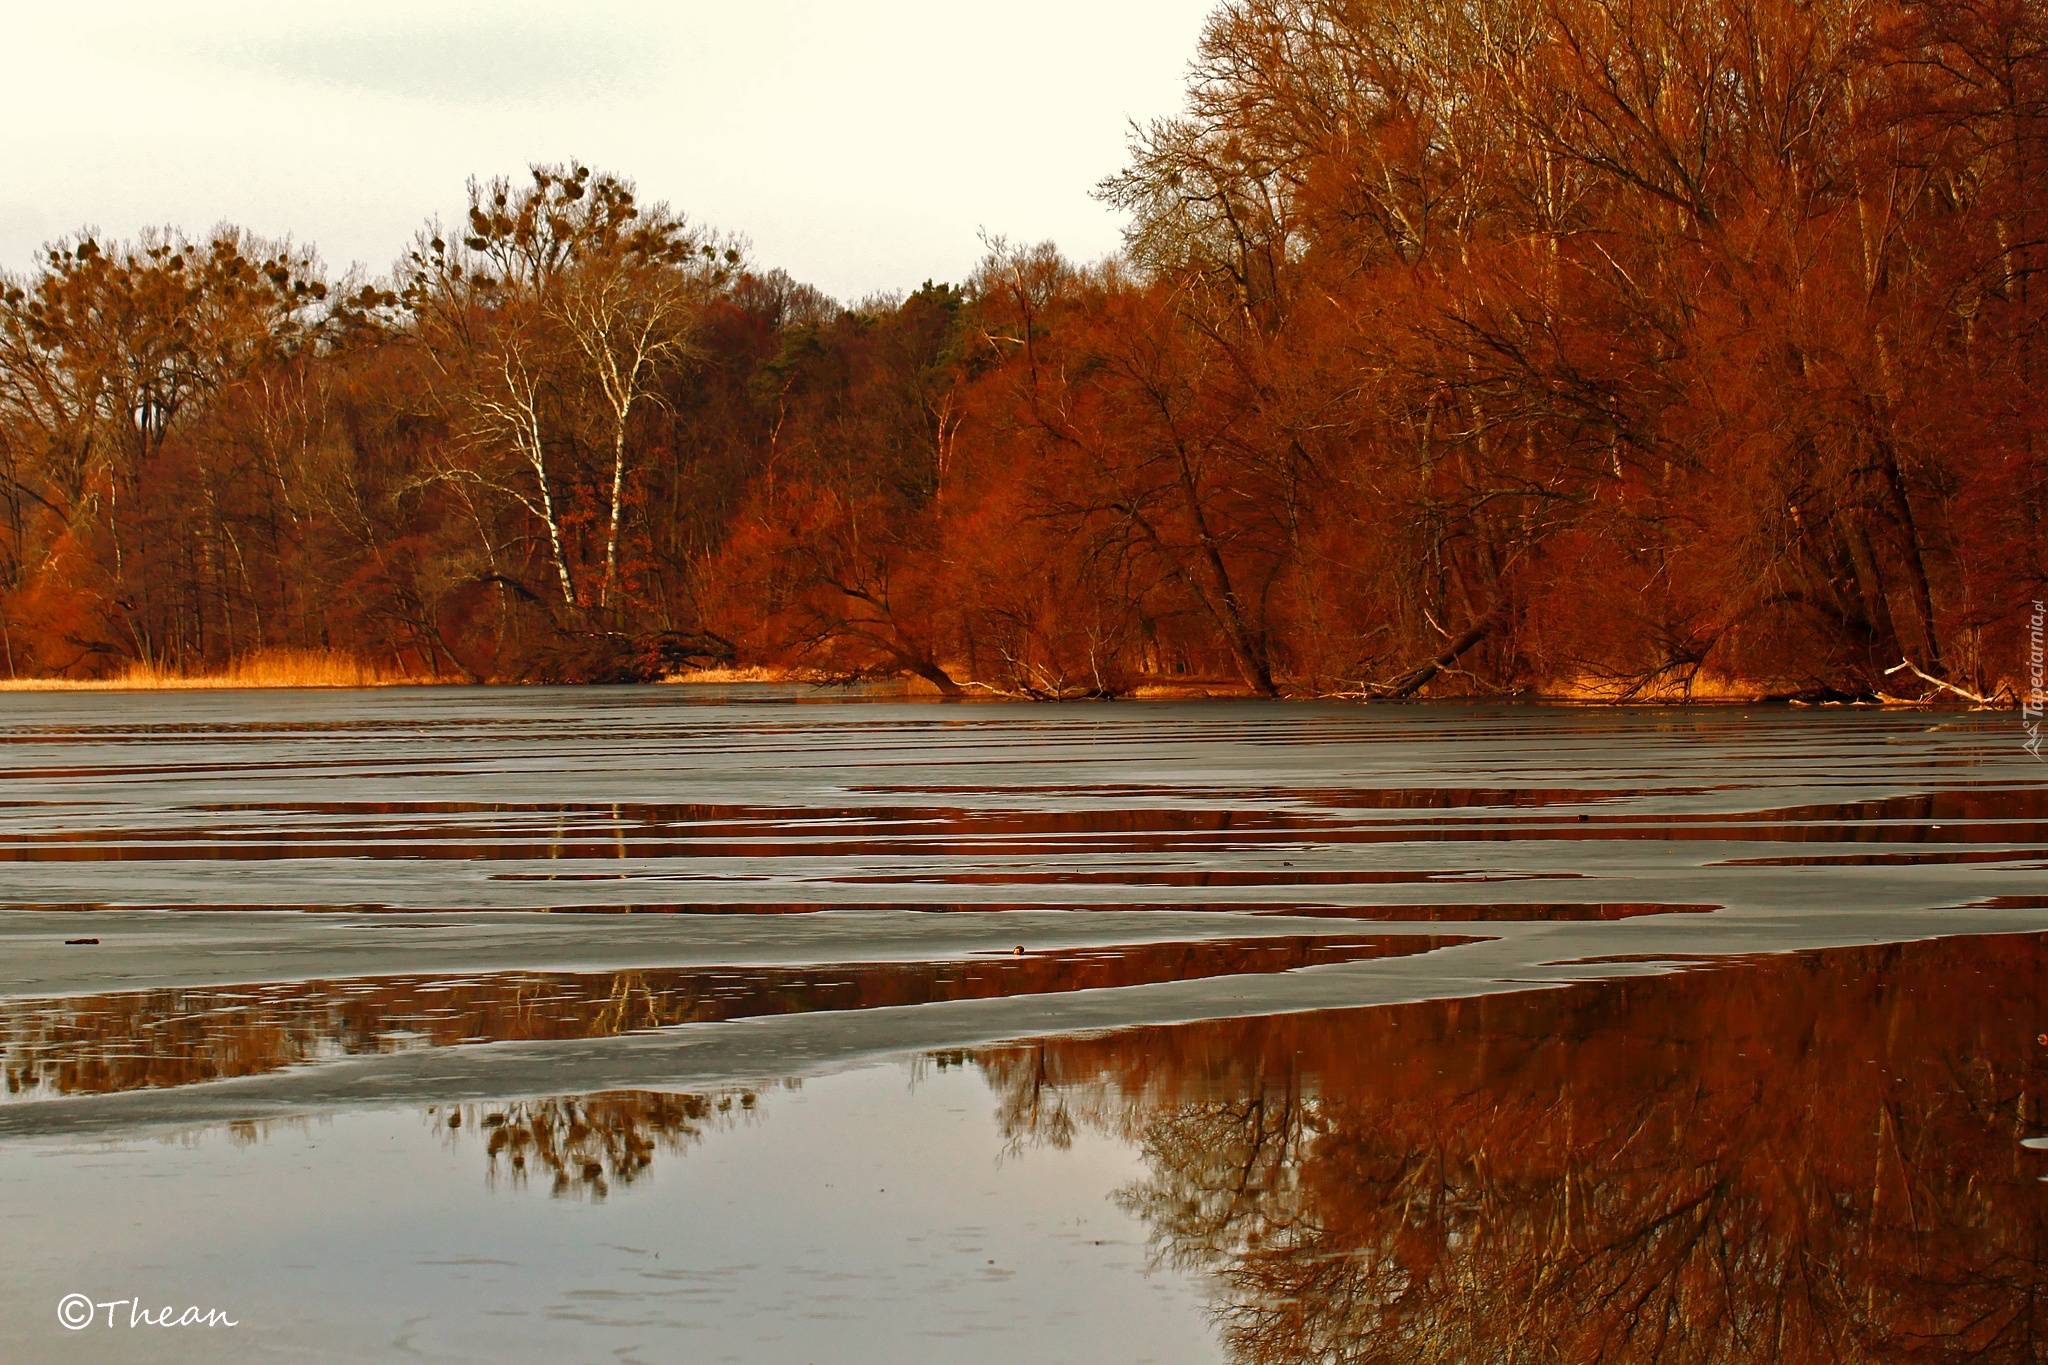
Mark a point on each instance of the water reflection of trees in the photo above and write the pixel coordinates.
(130, 1040)
(1804, 1158)
(585, 1146)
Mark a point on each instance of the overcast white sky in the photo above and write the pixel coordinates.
(860, 146)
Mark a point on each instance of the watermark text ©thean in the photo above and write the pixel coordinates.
(80, 1311)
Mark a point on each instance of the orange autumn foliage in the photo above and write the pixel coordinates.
(1679, 348)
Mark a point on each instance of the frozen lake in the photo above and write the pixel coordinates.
(658, 1024)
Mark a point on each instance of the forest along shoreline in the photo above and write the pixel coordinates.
(1629, 366)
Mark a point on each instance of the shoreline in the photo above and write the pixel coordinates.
(916, 689)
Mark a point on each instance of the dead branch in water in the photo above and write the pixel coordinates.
(1907, 665)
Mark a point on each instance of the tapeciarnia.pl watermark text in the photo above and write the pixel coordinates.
(2037, 693)
(80, 1311)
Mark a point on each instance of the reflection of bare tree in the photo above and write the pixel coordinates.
(1240, 1160)
(587, 1144)
(1809, 1158)
(1034, 1106)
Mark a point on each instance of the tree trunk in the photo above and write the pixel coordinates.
(1415, 679)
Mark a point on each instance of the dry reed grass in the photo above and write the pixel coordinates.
(743, 675)
(1700, 687)
(264, 668)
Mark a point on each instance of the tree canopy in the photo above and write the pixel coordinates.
(1612, 348)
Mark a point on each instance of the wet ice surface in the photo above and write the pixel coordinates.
(239, 843)
(132, 1040)
(318, 919)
